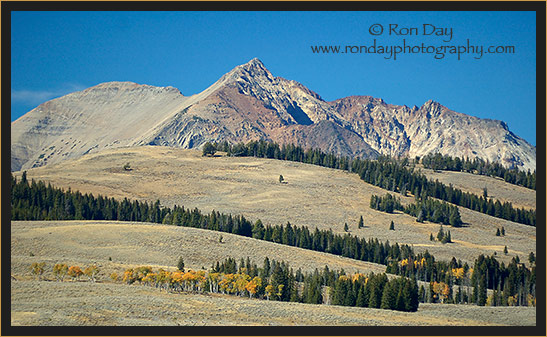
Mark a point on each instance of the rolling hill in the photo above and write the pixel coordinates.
(312, 196)
(134, 244)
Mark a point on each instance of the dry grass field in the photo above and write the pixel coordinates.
(312, 196)
(496, 187)
(83, 303)
(51, 303)
(131, 244)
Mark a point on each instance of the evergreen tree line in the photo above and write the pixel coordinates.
(280, 282)
(387, 203)
(426, 209)
(376, 291)
(385, 172)
(347, 245)
(479, 166)
(36, 201)
(514, 284)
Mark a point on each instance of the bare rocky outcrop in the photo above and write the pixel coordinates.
(249, 103)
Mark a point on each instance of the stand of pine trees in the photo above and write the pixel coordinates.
(385, 172)
(435, 211)
(428, 209)
(36, 201)
(514, 284)
(438, 161)
(330, 287)
(387, 203)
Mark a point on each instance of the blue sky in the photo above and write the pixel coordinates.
(55, 53)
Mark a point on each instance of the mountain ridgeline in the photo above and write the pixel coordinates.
(249, 104)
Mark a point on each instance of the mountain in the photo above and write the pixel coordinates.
(249, 103)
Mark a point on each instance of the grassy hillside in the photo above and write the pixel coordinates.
(133, 244)
(498, 189)
(136, 244)
(85, 303)
(312, 196)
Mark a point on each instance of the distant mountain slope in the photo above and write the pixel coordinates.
(249, 103)
(107, 115)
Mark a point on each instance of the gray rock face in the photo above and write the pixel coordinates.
(107, 115)
(249, 103)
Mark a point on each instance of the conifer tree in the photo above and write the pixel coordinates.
(209, 149)
(180, 264)
(360, 301)
(482, 294)
(258, 230)
(532, 258)
(389, 296)
(440, 234)
(421, 216)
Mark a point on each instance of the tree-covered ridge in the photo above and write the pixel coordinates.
(36, 201)
(385, 172)
(437, 161)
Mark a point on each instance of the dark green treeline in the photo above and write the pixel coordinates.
(327, 286)
(427, 209)
(438, 161)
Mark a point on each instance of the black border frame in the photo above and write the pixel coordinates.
(9, 6)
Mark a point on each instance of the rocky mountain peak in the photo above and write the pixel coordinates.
(254, 63)
(431, 104)
(249, 103)
(432, 108)
(250, 71)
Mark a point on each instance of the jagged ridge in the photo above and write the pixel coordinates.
(249, 103)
